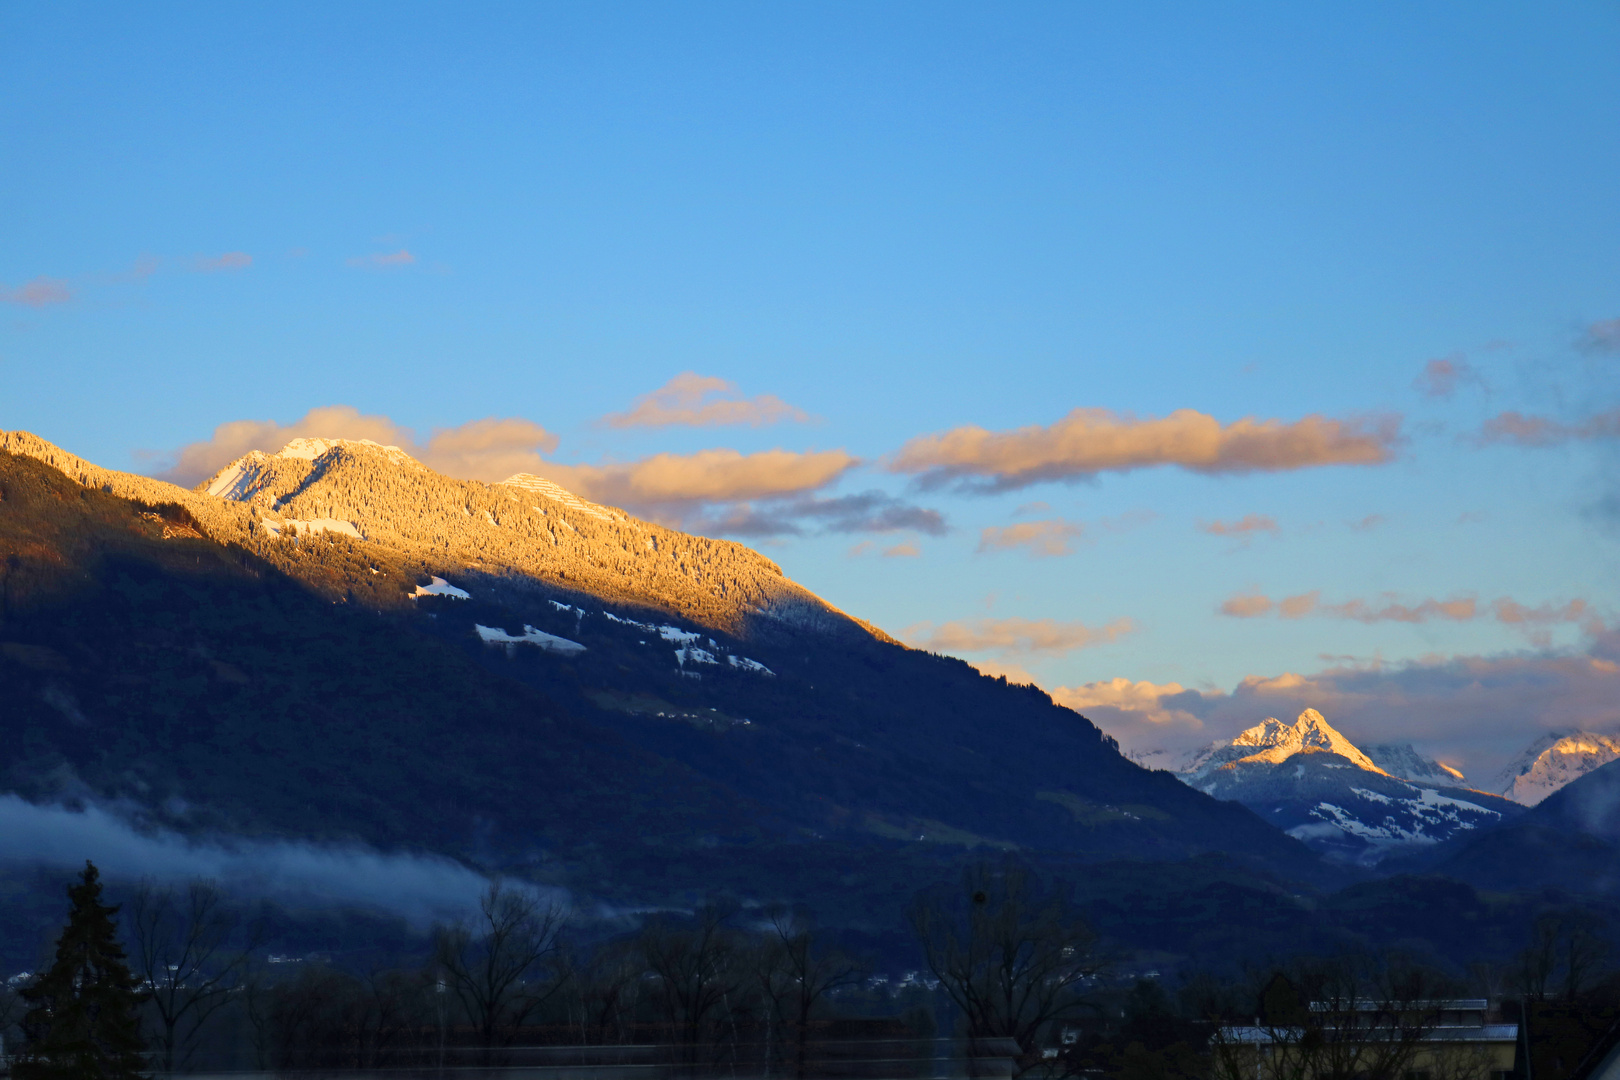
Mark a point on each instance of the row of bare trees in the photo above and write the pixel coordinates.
(1012, 960)
(696, 981)
(706, 983)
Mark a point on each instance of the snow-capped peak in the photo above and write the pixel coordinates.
(241, 479)
(1273, 742)
(1554, 760)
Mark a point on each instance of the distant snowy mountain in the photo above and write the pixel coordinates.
(1309, 780)
(1400, 759)
(1553, 761)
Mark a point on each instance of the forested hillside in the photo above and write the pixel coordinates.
(296, 684)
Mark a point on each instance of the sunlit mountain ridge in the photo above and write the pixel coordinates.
(343, 644)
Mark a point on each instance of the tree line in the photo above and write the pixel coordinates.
(172, 978)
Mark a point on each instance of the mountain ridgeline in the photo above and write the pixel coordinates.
(518, 533)
(334, 642)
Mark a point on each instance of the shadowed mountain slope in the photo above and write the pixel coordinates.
(1570, 842)
(287, 665)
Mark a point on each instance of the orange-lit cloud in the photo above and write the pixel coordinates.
(487, 450)
(1504, 610)
(1141, 715)
(1089, 441)
(1144, 697)
(1513, 613)
(1443, 377)
(1013, 636)
(1044, 539)
(385, 259)
(701, 401)
(41, 292)
(1013, 673)
(231, 260)
(708, 476)
(1247, 606)
(907, 549)
(1368, 523)
(1246, 526)
(1517, 429)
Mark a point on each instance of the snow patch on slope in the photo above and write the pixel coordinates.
(313, 525)
(238, 480)
(557, 493)
(441, 587)
(539, 638)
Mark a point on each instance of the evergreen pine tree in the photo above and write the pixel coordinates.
(82, 1021)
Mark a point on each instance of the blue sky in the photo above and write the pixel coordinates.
(903, 220)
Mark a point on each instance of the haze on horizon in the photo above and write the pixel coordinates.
(1201, 366)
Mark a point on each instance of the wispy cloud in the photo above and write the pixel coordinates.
(231, 260)
(422, 888)
(1250, 605)
(1245, 527)
(385, 260)
(863, 512)
(695, 400)
(1013, 636)
(1368, 523)
(1601, 337)
(1505, 610)
(1043, 539)
(143, 268)
(905, 550)
(1090, 441)
(1517, 429)
(41, 292)
(1443, 377)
